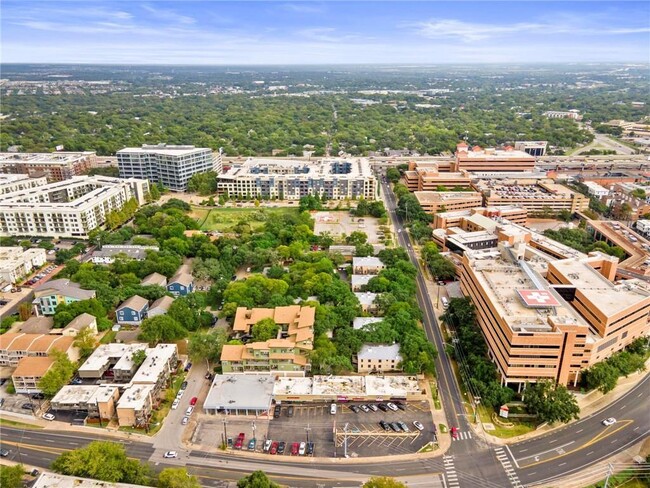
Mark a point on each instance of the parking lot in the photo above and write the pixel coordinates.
(365, 437)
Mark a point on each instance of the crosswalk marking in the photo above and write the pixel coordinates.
(463, 436)
(450, 472)
(507, 466)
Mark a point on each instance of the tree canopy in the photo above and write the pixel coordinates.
(256, 479)
(550, 402)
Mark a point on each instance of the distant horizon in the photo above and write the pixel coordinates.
(350, 64)
(315, 33)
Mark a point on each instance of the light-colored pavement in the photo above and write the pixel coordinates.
(603, 141)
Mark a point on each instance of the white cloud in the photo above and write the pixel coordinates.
(303, 8)
(168, 15)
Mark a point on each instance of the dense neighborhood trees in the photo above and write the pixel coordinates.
(11, 476)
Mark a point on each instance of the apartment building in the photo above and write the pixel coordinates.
(95, 401)
(433, 202)
(428, 177)
(536, 196)
(596, 190)
(289, 352)
(54, 292)
(109, 252)
(57, 166)
(367, 265)
(135, 406)
(379, 358)
(490, 159)
(168, 165)
(112, 361)
(456, 218)
(334, 179)
(13, 183)
(560, 114)
(29, 372)
(70, 208)
(16, 263)
(15, 346)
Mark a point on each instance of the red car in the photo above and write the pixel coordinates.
(193, 401)
(274, 448)
(240, 441)
(454, 432)
(294, 448)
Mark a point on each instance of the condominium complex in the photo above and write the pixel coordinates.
(445, 201)
(15, 263)
(533, 195)
(12, 183)
(15, 346)
(55, 166)
(70, 208)
(428, 177)
(170, 166)
(289, 351)
(478, 159)
(334, 179)
(549, 319)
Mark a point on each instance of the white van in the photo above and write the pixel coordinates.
(333, 409)
(445, 302)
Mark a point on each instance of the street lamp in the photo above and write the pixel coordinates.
(477, 402)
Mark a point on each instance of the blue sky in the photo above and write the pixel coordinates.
(215, 32)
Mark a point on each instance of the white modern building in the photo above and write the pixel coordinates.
(70, 208)
(12, 183)
(16, 262)
(534, 148)
(171, 166)
(335, 179)
(595, 189)
(56, 166)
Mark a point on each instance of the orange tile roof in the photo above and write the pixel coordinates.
(33, 366)
(232, 352)
(7, 338)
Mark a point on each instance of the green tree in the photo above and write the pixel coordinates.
(24, 311)
(11, 476)
(383, 482)
(86, 342)
(265, 329)
(177, 478)
(207, 345)
(161, 328)
(138, 357)
(257, 479)
(550, 402)
(393, 175)
(59, 374)
(105, 461)
(602, 376)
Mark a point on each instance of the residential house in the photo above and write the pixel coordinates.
(132, 311)
(181, 284)
(367, 301)
(154, 279)
(108, 253)
(160, 306)
(359, 281)
(78, 323)
(54, 292)
(367, 265)
(36, 325)
(289, 351)
(379, 358)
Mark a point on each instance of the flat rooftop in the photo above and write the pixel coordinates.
(53, 480)
(136, 397)
(163, 149)
(83, 394)
(334, 167)
(445, 196)
(348, 386)
(44, 158)
(240, 391)
(107, 353)
(361, 322)
(155, 364)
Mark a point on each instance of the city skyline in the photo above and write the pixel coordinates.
(263, 33)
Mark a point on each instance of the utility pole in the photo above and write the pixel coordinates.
(477, 402)
(225, 432)
(254, 429)
(610, 471)
(308, 429)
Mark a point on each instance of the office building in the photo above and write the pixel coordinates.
(513, 214)
(536, 196)
(490, 159)
(16, 263)
(428, 177)
(51, 293)
(240, 394)
(433, 202)
(334, 179)
(379, 358)
(70, 208)
(170, 166)
(534, 148)
(57, 166)
(288, 352)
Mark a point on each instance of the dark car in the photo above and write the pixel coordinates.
(277, 411)
(183, 385)
(382, 407)
(38, 396)
(354, 408)
(384, 425)
(27, 406)
(310, 448)
(35, 472)
(187, 367)
(401, 406)
(281, 447)
(290, 412)
(395, 426)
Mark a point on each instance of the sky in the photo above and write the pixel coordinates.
(322, 32)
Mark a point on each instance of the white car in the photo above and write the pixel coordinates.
(392, 406)
(176, 403)
(49, 416)
(609, 421)
(171, 454)
(179, 395)
(418, 425)
(185, 420)
(302, 449)
(189, 411)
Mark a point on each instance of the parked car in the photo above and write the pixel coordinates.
(189, 411)
(290, 412)
(251, 444)
(171, 454)
(267, 445)
(310, 448)
(277, 411)
(185, 420)
(354, 408)
(175, 403)
(240, 441)
(382, 407)
(28, 406)
(183, 385)
(76, 381)
(392, 406)
(364, 408)
(373, 407)
(49, 416)
(418, 425)
(281, 446)
(274, 448)
(401, 406)
(395, 426)
(403, 426)
(294, 448)
(193, 401)
(384, 425)
(187, 367)
(180, 394)
(35, 472)
(302, 449)
(333, 409)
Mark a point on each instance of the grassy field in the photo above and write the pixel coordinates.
(223, 219)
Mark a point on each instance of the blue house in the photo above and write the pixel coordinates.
(132, 311)
(181, 284)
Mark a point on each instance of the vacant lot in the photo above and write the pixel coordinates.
(223, 219)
